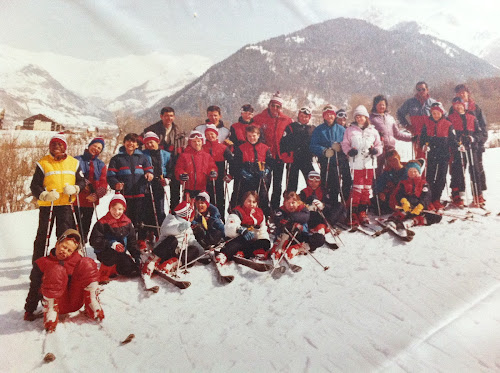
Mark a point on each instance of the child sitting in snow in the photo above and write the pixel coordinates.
(112, 236)
(176, 240)
(207, 224)
(65, 281)
(246, 225)
(291, 219)
(320, 203)
(385, 184)
(411, 197)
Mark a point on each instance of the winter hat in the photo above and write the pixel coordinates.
(361, 110)
(437, 106)
(418, 164)
(247, 107)
(118, 198)
(461, 87)
(330, 109)
(305, 110)
(203, 196)
(457, 100)
(60, 138)
(341, 113)
(73, 235)
(184, 210)
(195, 135)
(277, 99)
(211, 127)
(150, 136)
(313, 175)
(100, 140)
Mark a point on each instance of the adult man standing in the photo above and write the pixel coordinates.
(417, 108)
(171, 140)
(214, 116)
(273, 122)
(296, 140)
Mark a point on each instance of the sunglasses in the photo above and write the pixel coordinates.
(342, 115)
(305, 110)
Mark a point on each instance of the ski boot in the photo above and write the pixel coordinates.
(50, 314)
(93, 307)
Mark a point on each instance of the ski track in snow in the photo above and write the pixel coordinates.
(428, 305)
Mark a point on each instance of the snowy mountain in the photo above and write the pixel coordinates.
(425, 306)
(335, 60)
(32, 90)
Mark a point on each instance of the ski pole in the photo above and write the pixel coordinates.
(80, 220)
(183, 247)
(473, 180)
(154, 208)
(332, 229)
(283, 252)
(308, 251)
(84, 249)
(215, 193)
(375, 178)
(288, 175)
(207, 252)
(49, 228)
(341, 182)
(463, 174)
(327, 172)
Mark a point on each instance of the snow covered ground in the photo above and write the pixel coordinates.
(425, 306)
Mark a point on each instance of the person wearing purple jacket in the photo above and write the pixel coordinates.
(387, 127)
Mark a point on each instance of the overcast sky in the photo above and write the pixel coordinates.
(99, 29)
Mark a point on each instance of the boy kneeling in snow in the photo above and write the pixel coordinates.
(411, 197)
(65, 281)
(175, 235)
(112, 236)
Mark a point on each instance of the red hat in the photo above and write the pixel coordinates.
(184, 210)
(60, 138)
(330, 109)
(211, 127)
(438, 107)
(118, 198)
(148, 136)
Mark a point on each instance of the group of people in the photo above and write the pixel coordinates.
(359, 169)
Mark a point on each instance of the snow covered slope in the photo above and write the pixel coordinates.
(429, 305)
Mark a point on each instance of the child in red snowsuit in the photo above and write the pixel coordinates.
(64, 281)
(220, 153)
(112, 236)
(195, 166)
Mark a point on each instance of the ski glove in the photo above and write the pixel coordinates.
(264, 172)
(352, 153)
(48, 196)
(246, 175)
(213, 174)
(405, 205)
(372, 151)
(418, 209)
(426, 148)
(118, 247)
(329, 152)
(184, 177)
(165, 181)
(71, 189)
(336, 147)
(319, 205)
(247, 235)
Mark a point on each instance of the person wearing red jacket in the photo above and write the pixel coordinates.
(273, 123)
(64, 281)
(220, 153)
(94, 171)
(195, 166)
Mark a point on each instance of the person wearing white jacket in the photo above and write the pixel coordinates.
(362, 144)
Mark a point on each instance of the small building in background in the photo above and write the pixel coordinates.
(41, 122)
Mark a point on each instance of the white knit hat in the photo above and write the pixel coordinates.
(361, 110)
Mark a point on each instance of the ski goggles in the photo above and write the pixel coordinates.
(314, 177)
(305, 110)
(71, 236)
(342, 114)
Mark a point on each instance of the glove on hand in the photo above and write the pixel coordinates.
(426, 148)
(336, 147)
(71, 189)
(247, 235)
(329, 152)
(165, 181)
(352, 153)
(264, 172)
(246, 175)
(319, 205)
(213, 175)
(418, 209)
(184, 177)
(405, 205)
(118, 247)
(48, 196)
(372, 151)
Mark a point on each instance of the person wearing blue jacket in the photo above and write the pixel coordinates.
(160, 160)
(325, 144)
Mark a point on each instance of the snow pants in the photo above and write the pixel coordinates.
(135, 212)
(339, 178)
(159, 201)
(305, 166)
(167, 249)
(125, 265)
(69, 290)
(277, 168)
(218, 199)
(457, 170)
(437, 170)
(361, 188)
(63, 218)
(247, 247)
(86, 214)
